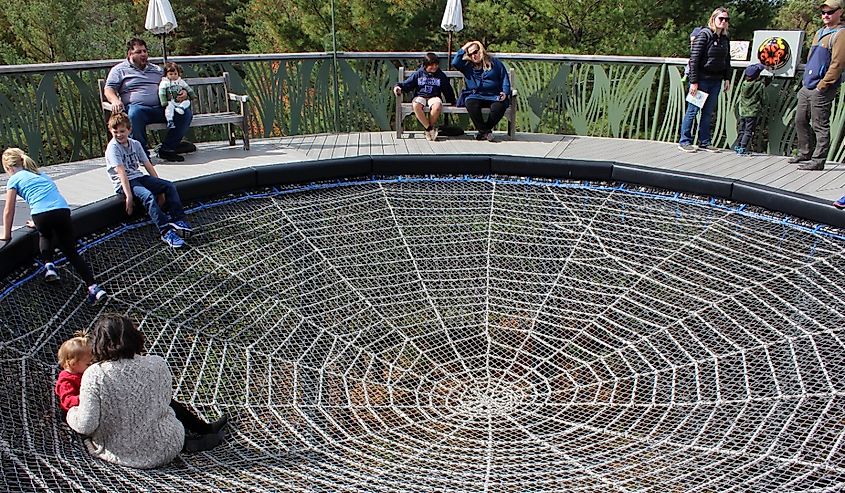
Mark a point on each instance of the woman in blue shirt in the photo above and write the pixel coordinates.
(50, 213)
(487, 86)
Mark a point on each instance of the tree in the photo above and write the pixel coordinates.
(208, 27)
(57, 30)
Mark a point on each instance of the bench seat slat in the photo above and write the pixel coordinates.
(204, 119)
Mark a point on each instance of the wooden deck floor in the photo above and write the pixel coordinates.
(85, 182)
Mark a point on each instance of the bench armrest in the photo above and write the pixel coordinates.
(513, 93)
(238, 97)
(105, 105)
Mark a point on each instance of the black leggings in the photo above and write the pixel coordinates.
(56, 225)
(497, 111)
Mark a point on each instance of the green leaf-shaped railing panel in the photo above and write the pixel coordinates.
(56, 115)
(583, 103)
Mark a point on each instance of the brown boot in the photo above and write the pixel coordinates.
(813, 165)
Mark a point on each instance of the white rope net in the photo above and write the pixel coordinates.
(461, 335)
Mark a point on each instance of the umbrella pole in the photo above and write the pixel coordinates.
(447, 120)
(164, 47)
(450, 51)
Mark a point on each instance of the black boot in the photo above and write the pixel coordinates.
(219, 424)
(202, 443)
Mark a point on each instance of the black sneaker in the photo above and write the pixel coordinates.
(170, 156)
(185, 147)
(709, 148)
(797, 159)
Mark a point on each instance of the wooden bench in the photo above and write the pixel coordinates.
(404, 109)
(211, 106)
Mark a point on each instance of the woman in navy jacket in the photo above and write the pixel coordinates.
(487, 86)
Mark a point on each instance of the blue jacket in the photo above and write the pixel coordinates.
(483, 84)
(823, 70)
(429, 85)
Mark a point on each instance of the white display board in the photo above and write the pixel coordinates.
(739, 50)
(784, 47)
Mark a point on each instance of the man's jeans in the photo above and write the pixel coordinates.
(146, 188)
(141, 115)
(712, 88)
(812, 114)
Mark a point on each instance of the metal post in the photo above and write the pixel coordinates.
(334, 65)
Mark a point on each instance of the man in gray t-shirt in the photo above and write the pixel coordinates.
(132, 86)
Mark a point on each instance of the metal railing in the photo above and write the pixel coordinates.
(53, 109)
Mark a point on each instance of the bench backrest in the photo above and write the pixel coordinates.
(211, 93)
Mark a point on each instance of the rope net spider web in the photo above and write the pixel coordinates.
(476, 334)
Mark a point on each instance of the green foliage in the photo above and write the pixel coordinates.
(54, 30)
(57, 31)
(208, 27)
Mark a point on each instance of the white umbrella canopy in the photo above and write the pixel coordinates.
(453, 21)
(160, 20)
(453, 17)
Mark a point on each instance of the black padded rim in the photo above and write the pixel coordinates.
(109, 212)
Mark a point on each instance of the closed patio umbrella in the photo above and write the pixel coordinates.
(453, 21)
(160, 21)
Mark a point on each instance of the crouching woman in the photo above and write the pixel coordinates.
(125, 407)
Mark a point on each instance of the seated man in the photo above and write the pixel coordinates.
(132, 86)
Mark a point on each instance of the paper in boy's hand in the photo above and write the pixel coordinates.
(699, 98)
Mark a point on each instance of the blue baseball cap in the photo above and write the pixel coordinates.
(753, 71)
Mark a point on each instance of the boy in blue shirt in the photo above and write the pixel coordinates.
(124, 158)
(429, 83)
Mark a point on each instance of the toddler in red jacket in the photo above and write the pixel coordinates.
(74, 357)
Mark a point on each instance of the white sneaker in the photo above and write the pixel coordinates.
(95, 294)
(428, 135)
(50, 273)
(434, 133)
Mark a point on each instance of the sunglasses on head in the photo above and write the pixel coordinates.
(829, 12)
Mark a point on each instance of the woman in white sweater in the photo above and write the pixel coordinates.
(125, 406)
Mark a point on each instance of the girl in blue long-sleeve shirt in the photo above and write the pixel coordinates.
(487, 86)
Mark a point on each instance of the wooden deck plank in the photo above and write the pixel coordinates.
(415, 145)
(376, 146)
(352, 148)
(339, 146)
(448, 145)
(560, 147)
(814, 182)
(735, 164)
(718, 164)
(320, 146)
